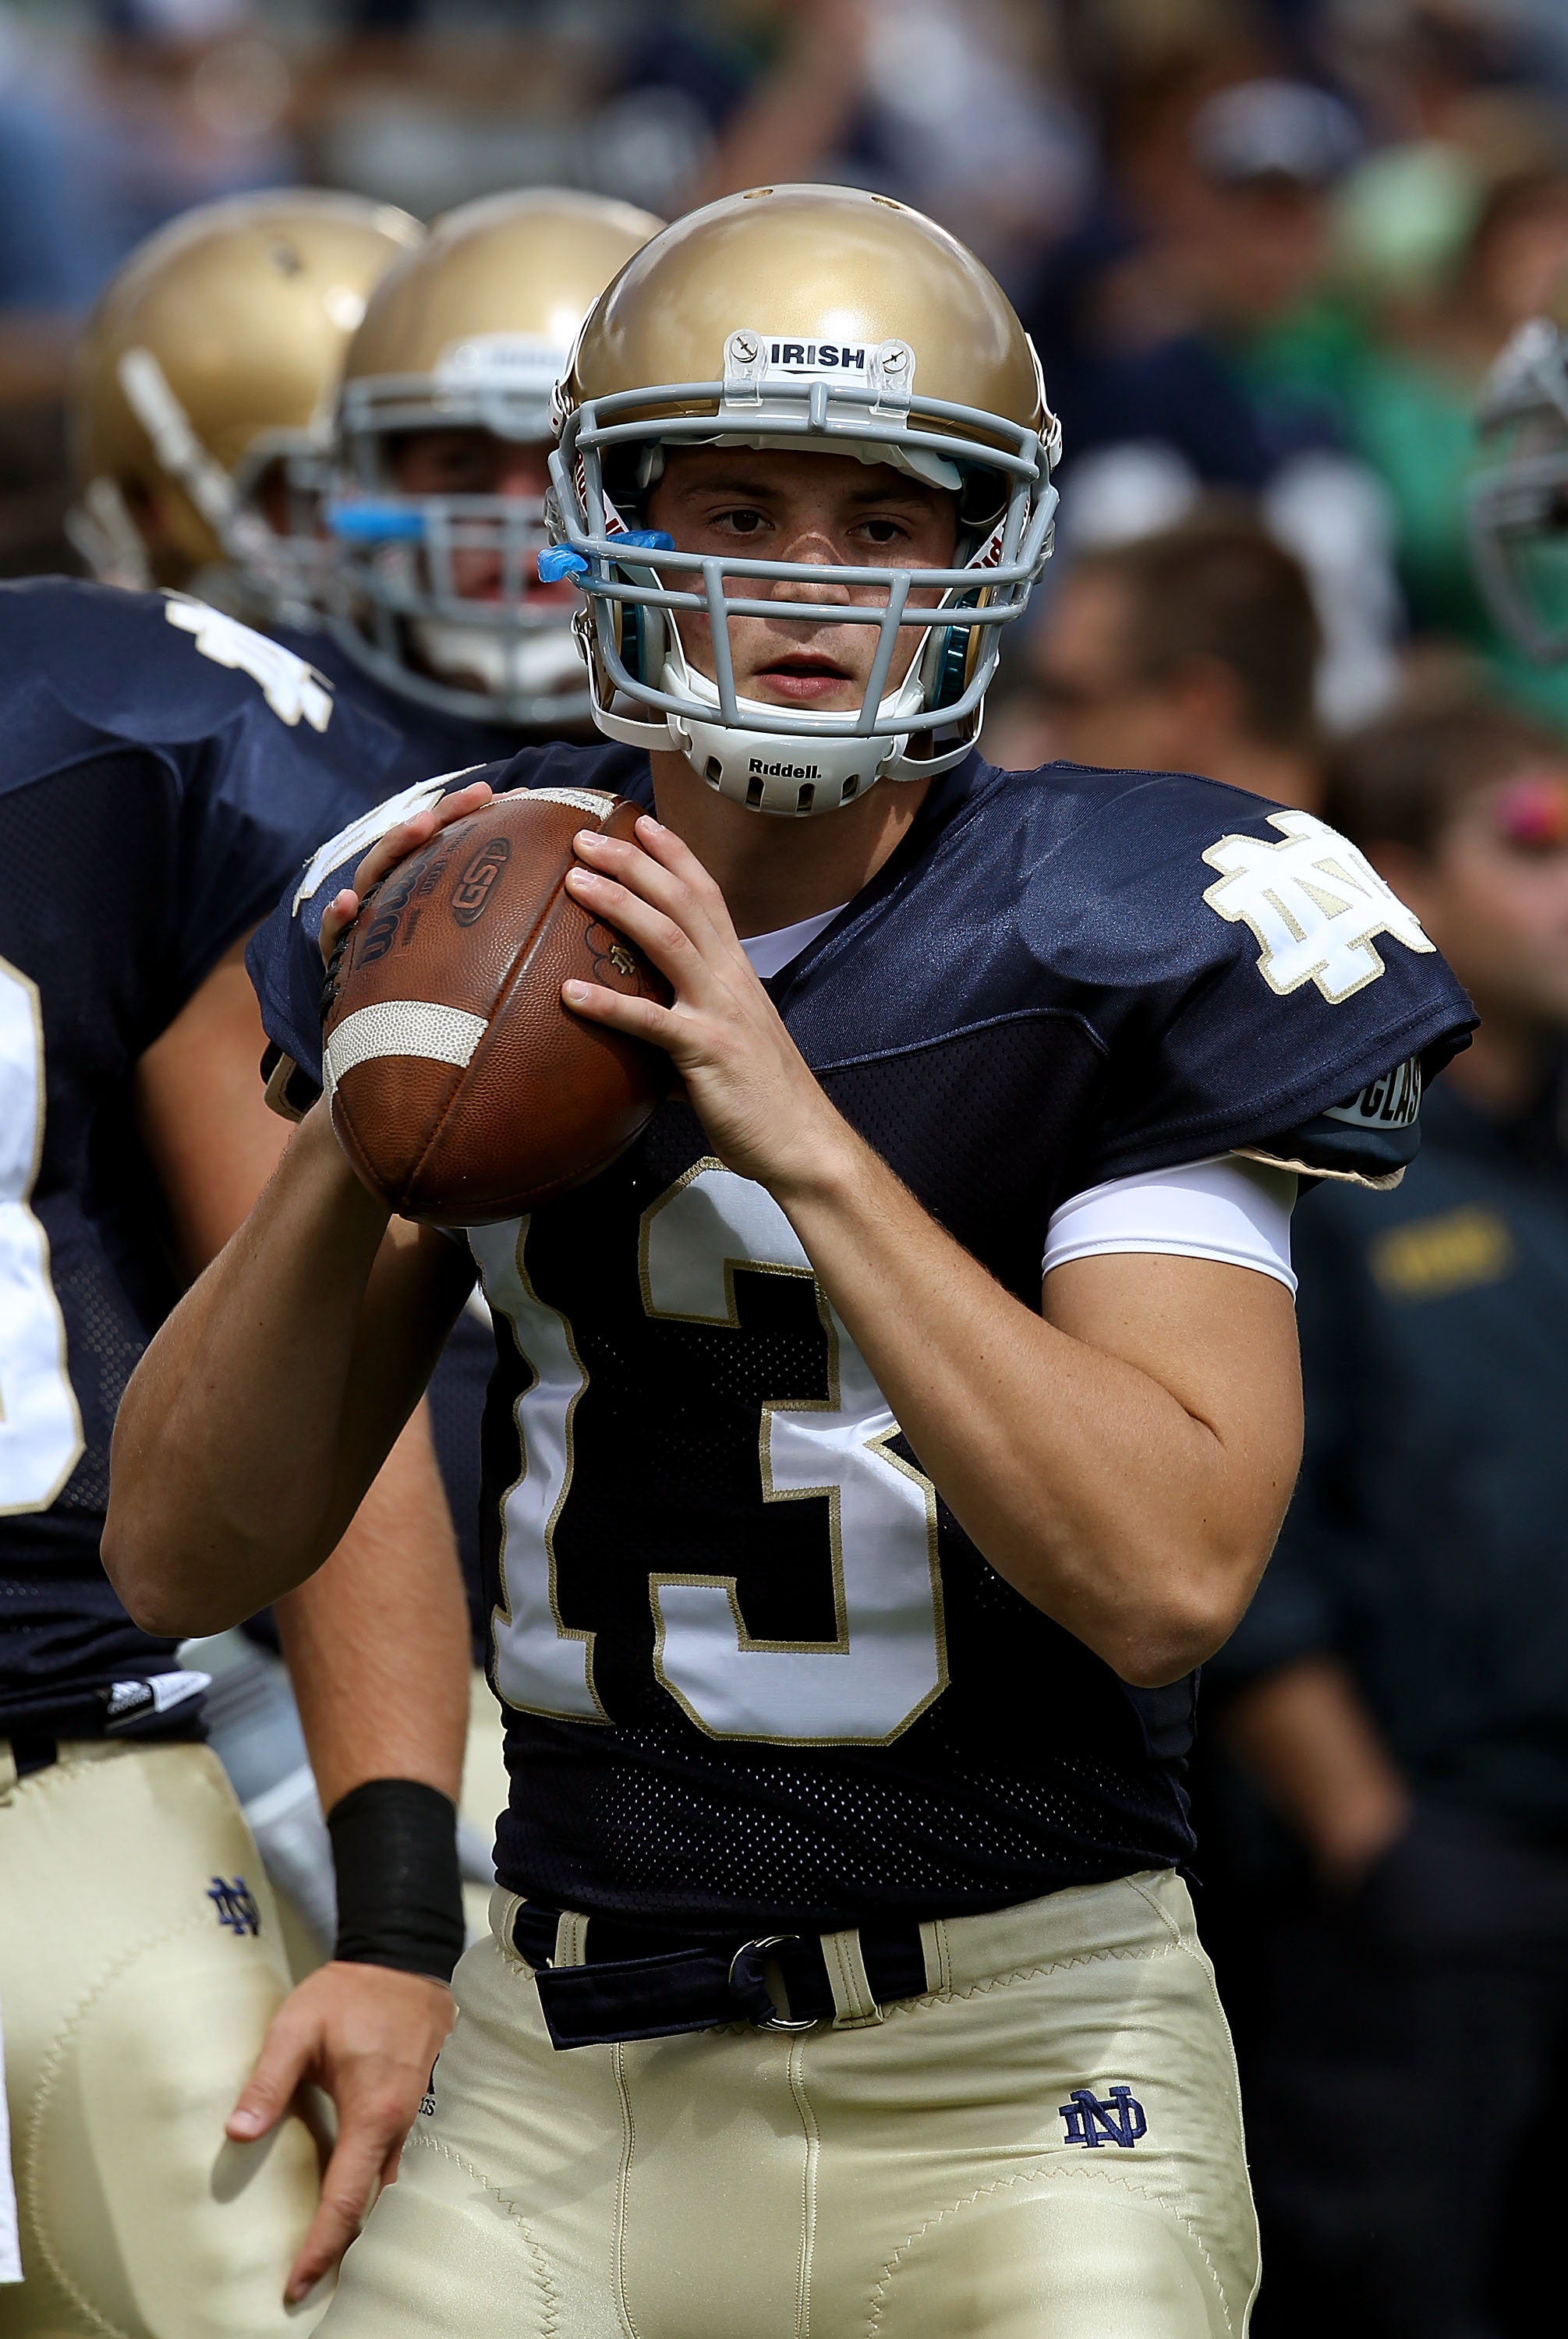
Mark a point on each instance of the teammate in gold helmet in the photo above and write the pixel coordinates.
(444, 431)
(203, 395)
(1518, 494)
(815, 321)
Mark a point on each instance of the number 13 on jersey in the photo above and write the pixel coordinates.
(887, 1660)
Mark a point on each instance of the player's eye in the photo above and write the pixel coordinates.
(881, 528)
(740, 520)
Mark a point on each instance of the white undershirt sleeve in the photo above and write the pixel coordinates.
(1226, 1208)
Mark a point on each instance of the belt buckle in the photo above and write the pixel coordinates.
(764, 1942)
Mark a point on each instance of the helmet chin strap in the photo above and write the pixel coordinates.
(519, 665)
(782, 771)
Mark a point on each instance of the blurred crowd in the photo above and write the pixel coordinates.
(1269, 253)
(1266, 248)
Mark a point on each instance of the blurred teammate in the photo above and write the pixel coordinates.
(1400, 1685)
(202, 409)
(201, 427)
(240, 316)
(1191, 650)
(443, 436)
(165, 771)
(877, 1446)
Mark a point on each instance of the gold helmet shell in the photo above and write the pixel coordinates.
(478, 324)
(832, 267)
(233, 321)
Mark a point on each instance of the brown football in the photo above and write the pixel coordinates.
(460, 1088)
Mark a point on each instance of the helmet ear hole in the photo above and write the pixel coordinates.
(981, 501)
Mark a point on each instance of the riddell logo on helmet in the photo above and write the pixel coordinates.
(761, 770)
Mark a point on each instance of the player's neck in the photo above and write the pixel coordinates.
(775, 872)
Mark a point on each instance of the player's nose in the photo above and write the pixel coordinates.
(815, 552)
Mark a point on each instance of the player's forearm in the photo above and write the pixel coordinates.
(246, 1416)
(1083, 1480)
(378, 1639)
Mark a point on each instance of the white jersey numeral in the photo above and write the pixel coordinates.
(887, 1659)
(40, 1427)
(541, 1667)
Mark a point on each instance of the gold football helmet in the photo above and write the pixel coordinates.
(470, 334)
(205, 377)
(817, 319)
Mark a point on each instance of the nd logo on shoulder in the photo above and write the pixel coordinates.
(1314, 902)
(290, 687)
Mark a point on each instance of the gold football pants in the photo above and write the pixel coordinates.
(1047, 2145)
(135, 1996)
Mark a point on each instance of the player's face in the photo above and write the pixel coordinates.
(827, 511)
(1494, 897)
(469, 462)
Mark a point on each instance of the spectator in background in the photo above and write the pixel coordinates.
(1191, 650)
(1399, 1688)
(1213, 227)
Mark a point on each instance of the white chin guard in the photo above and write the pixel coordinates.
(779, 771)
(499, 664)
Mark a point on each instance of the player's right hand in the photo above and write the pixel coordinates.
(368, 2036)
(395, 846)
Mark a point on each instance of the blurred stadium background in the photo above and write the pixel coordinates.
(1248, 234)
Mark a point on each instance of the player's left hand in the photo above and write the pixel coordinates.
(368, 2036)
(763, 1112)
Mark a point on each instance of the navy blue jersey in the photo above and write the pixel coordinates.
(433, 740)
(165, 771)
(755, 1674)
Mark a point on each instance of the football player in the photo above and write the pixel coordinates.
(166, 769)
(1518, 496)
(877, 1448)
(202, 405)
(443, 429)
(201, 424)
(443, 434)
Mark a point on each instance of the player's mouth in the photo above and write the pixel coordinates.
(804, 678)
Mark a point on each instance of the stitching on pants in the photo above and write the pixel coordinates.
(421, 2142)
(628, 2147)
(1164, 1914)
(938, 1965)
(808, 2185)
(1052, 2172)
(49, 2075)
(1031, 1973)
